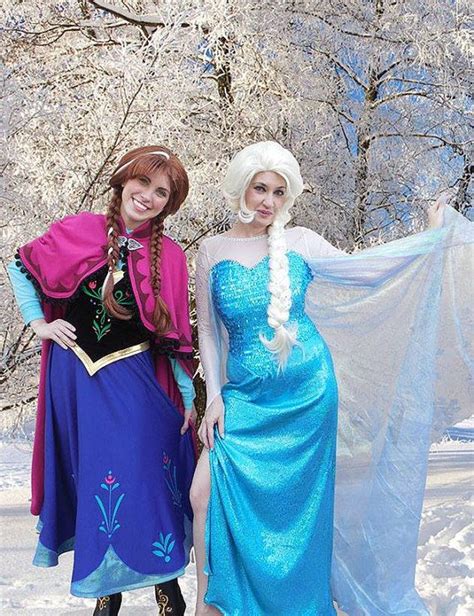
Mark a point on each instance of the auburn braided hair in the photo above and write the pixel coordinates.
(161, 316)
(139, 162)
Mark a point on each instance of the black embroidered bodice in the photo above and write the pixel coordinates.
(100, 336)
(102, 339)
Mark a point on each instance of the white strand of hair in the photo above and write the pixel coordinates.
(278, 311)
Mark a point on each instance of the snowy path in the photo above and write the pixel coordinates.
(445, 553)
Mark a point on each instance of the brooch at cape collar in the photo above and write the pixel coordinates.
(128, 242)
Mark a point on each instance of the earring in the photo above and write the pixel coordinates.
(245, 217)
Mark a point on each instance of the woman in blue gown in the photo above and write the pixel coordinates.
(263, 492)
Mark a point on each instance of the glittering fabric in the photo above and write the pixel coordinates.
(397, 319)
(273, 473)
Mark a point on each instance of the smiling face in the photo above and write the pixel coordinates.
(144, 197)
(265, 195)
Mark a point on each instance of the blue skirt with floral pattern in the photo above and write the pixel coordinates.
(117, 476)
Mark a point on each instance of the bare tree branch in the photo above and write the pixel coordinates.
(150, 21)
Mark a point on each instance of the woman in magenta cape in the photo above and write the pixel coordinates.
(113, 457)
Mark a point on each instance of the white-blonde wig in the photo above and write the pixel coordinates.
(253, 159)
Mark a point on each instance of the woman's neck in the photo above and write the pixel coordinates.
(240, 229)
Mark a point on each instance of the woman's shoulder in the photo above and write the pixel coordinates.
(172, 246)
(85, 225)
(213, 249)
(310, 243)
(209, 244)
(171, 241)
(82, 217)
(84, 221)
(298, 232)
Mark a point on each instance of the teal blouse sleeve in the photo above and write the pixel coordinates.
(185, 384)
(25, 293)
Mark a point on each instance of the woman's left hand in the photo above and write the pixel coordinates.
(436, 211)
(190, 416)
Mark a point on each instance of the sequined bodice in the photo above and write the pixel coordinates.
(241, 299)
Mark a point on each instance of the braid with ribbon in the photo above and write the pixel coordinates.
(113, 253)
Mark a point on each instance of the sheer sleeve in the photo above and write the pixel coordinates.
(371, 267)
(184, 382)
(314, 246)
(397, 319)
(208, 330)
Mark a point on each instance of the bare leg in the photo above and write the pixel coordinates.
(200, 492)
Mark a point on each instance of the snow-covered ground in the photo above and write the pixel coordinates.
(446, 549)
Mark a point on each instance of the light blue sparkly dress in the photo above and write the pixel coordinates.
(273, 473)
(271, 521)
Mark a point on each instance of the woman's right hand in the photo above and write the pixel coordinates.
(213, 415)
(59, 331)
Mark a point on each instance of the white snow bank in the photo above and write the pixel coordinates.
(445, 552)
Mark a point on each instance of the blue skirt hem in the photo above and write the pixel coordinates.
(148, 580)
(44, 557)
(113, 575)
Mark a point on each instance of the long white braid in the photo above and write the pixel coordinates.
(280, 293)
(256, 158)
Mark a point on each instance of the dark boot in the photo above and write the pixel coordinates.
(169, 598)
(108, 605)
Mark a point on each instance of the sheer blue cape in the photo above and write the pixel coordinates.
(398, 321)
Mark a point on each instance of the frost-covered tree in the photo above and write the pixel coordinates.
(372, 98)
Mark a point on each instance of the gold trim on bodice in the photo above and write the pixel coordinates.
(94, 366)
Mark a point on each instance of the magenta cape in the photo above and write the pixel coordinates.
(70, 251)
